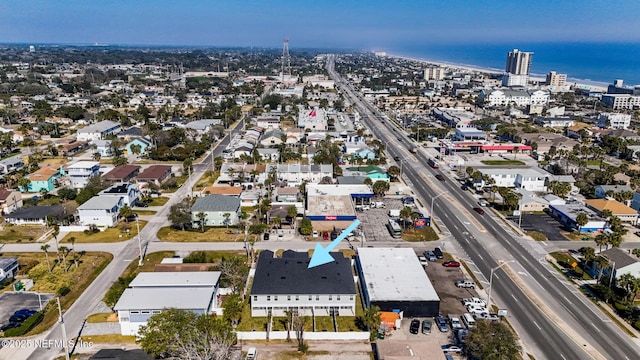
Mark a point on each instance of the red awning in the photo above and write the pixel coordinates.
(505, 147)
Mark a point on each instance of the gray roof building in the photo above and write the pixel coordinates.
(290, 275)
(101, 203)
(212, 203)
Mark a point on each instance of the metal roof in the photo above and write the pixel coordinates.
(394, 274)
(176, 279)
(216, 203)
(162, 298)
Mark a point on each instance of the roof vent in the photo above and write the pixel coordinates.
(282, 277)
(324, 278)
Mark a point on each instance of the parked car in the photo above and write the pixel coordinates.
(440, 177)
(452, 348)
(426, 326)
(477, 311)
(474, 301)
(140, 204)
(415, 326)
(442, 324)
(18, 318)
(430, 255)
(466, 284)
(280, 237)
(10, 325)
(265, 237)
(478, 210)
(315, 233)
(487, 316)
(423, 260)
(251, 354)
(438, 253)
(451, 264)
(25, 312)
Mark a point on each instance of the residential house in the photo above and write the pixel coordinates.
(100, 211)
(103, 147)
(202, 126)
(531, 202)
(130, 133)
(546, 141)
(122, 173)
(35, 215)
(98, 131)
(11, 164)
(555, 122)
(604, 191)
(152, 292)
(130, 193)
(73, 147)
(296, 174)
(371, 171)
(287, 284)
(156, 174)
(576, 131)
(81, 172)
(215, 207)
(531, 179)
(227, 190)
(621, 262)
(272, 138)
(504, 97)
(622, 211)
(8, 268)
(268, 122)
(269, 155)
(10, 201)
(43, 179)
(287, 194)
(139, 145)
(624, 134)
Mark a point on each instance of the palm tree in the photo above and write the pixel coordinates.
(601, 239)
(581, 220)
(636, 252)
(601, 263)
(125, 212)
(626, 282)
(64, 250)
(44, 248)
(292, 212)
(393, 171)
(201, 218)
(589, 254)
(515, 151)
(72, 240)
(277, 221)
(226, 216)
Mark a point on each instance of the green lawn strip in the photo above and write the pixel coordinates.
(158, 201)
(473, 276)
(115, 234)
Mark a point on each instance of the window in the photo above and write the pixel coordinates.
(268, 297)
(156, 312)
(330, 297)
(338, 297)
(297, 297)
(134, 312)
(350, 297)
(310, 297)
(317, 297)
(255, 298)
(275, 298)
(288, 297)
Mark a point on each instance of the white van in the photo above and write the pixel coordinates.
(251, 354)
(468, 320)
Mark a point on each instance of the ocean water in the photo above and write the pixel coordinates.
(596, 62)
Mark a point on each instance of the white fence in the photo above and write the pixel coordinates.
(77, 228)
(321, 335)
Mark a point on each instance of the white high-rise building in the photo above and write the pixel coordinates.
(519, 62)
(434, 73)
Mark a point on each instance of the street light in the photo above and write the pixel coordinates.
(491, 281)
(140, 258)
(432, 200)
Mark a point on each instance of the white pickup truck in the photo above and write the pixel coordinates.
(394, 213)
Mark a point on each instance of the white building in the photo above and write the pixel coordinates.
(514, 97)
(515, 80)
(8, 267)
(98, 131)
(615, 120)
(434, 73)
(555, 122)
(150, 293)
(392, 278)
(130, 193)
(621, 101)
(314, 119)
(296, 174)
(100, 211)
(622, 262)
(80, 172)
(531, 179)
(286, 283)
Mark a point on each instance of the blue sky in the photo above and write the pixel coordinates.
(344, 24)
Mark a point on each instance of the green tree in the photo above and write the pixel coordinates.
(492, 340)
(405, 214)
(45, 248)
(393, 171)
(201, 219)
(292, 212)
(23, 184)
(636, 252)
(233, 309)
(601, 240)
(185, 335)
(234, 272)
(226, 216)
(581, 220)
(370, 319)
(306, 227)
(125, 212)
(380, 187)
(588, 253)
(180, 214)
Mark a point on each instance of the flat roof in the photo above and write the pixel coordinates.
(162, 298)
(395, 274)
(176, 279)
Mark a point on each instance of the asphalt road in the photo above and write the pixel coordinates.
(549, 340)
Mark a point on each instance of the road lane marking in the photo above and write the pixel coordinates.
(538, 326)
(594, 325)
(562, 356)
(514, 298)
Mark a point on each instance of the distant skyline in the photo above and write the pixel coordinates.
(371, 25)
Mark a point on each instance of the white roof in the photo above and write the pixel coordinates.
(101, 203)
(83, 165)
(162, 298)
(337, 189)
(176, 279)
(395, 274)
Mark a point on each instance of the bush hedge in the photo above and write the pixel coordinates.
(26, 326)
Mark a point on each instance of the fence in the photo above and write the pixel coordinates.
(321, 335)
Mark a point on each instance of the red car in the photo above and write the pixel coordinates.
(478, 210)
(451, 264)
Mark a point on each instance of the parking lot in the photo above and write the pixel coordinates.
(374, 220)
(12, 301)
(543, 223)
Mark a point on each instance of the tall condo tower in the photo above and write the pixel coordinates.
(518, 62)
(286, 58)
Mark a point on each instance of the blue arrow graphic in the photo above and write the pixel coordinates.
(321, 255)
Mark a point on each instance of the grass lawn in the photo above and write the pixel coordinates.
(145, 212)
(502, 162)
(210, 234)
(90, 265)
(425, 234)
(110, 235)
(21, 233)
(536, 235)
(567, 261)
(157, 201)
(206, 180)
(109, 339)
(102, 317)
(574, 236)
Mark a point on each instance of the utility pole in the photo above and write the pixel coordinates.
(64, 331)
(140, 258)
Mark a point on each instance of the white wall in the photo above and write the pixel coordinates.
(323, 335)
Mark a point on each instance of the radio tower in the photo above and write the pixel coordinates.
(286, 58)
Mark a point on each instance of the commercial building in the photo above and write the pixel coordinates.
(614, 121)
(150, 293)
(393, 279)
(622, 211)
(334, 202)
(514, 97)
(530, 179)
(555, 79)
(434, 73)
(287, 284)
(567, 214)
(621, 101)
(518, 62)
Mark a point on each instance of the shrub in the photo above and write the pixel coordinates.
(26, 326)
(63, 291)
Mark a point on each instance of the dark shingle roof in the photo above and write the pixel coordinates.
(216, 203)
(37, 212)
(121, 172)
(290, 275)
(620, 257)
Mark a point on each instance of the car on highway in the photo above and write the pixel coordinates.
(426, 326)
(396, 158)
(637, 233)
(415, 326)
(451, 348)
(483, 202)
(442, 324)
(440, 177)
(478, 210)
(451, 263)
(438, 253)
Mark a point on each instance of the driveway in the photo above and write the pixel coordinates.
(543, 223)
